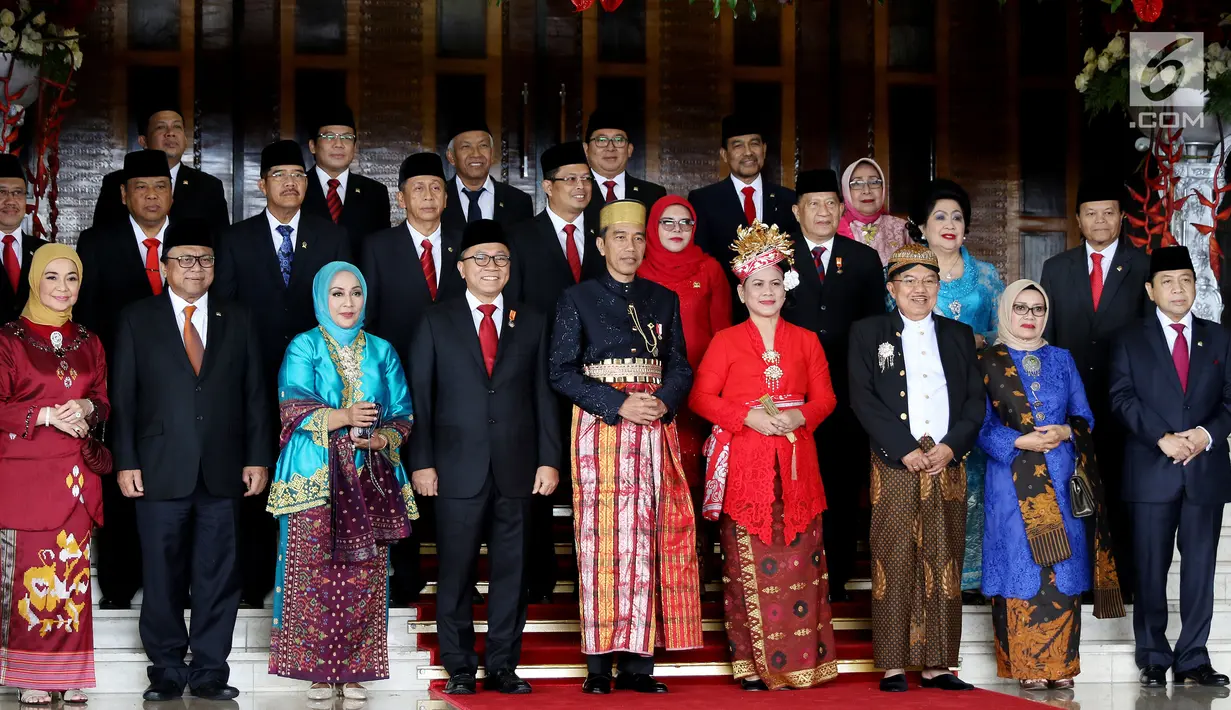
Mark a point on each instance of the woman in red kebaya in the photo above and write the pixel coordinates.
(53, 391)
(765, 385)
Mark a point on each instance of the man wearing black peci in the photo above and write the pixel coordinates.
(844, 284)
(608, 150)
(356, 202)
(16, 247)
(486, 439)
(473, 193)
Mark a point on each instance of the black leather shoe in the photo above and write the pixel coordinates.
(251, 603)
(1154, 676)
(162, 692)
(753, 685)
(639, 682)
(113, 604)
(460, 683)
(948, 681)
(507, 682)
(895, 684)
(215, 690)
(1203, 674)
(597, 684)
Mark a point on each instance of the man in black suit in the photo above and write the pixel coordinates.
(1171, 388)
(198, 195)
(844, 285)
(486, 440)
(191, 422)
(16, 247)
(1085, 324)
(124, 262)
(358, 203)
(552, 252)
(473, 194)
(408, 268)
(608, 150)
(267, 263)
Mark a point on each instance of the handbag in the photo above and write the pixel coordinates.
(1081, 497)
(96, 455)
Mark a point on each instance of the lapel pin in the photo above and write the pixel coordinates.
(356, 191)
(512, 317)
(1200, 344)
(696, 284)
(501, 205)
(839, 264)
(217, 314)
(1119, 268)
(635, 188)
(184, 182)
(450, 250)
(304, 245)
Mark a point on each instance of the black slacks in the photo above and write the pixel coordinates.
(119, 549)
(842, 452)
(409, 577)
(189, 543)
(1155, 526)
(627, 663)
(1109, 437)
(460, 524)
(258, 548)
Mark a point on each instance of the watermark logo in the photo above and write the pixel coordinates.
(1166, 79)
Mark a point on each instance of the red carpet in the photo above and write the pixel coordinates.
(859, 693)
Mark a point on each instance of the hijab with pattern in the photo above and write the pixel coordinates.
(320, 301)
(35, 311)
(1004, 333)
(849, 213)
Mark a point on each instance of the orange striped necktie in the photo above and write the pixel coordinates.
(192, 340)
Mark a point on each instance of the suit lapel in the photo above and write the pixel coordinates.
(215, 332)
(736, 204)
(1116, 274)
(506, 334)
(132, 261)
(301, 264)
(29, 244)
(632, 189)
(498, 193)
(1080, 276)
(1166, 365)
(454, 214)
(1200, 357)
(459, 310)
(184, 184)
(408, 254)
(262, 245)
(807, 267)
(168, 327)
(551, 244)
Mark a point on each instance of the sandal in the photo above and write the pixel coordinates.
(75, 696)
(320, 691)
(34, 697)
(1032, 684)
(354, 691)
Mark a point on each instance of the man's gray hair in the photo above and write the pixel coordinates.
(490, 137)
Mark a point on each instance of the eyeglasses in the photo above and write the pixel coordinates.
(15, 194)
(187, 261)
(676, 225)
(347, 137)
(873, 184)
(294, 175)
(501, 260)
(1022, 309)
(604, 141)
(573, 180)
(911, 282)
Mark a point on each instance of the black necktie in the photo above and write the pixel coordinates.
(473, 213)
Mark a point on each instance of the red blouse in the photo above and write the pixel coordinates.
(43, 463)
(732, 375)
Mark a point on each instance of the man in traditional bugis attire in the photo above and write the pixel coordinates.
(618, 353)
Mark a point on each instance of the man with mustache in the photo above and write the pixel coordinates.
(608, 150)
(198, 195)
(473, 194)
(16, 247)
(267, 263)
(357, 202)
(840, 282)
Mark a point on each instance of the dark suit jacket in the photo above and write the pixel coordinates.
(178, 427)
(196, 195)
(1146, 396)
(1075, 326)
(512, 206)
(878, 394)
(113, 277)
(365, 207)
(11, 303)
(850, 293)
(397, 291)
(247, 272)
(467, 423)
(540, 268)
(720, 212)
(643, 191)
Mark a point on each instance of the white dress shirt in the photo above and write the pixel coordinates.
(175, 175)
(621, 182)
(17, 246)
(434, 238)
(487, 198)
(1171, 335)
(341, 178)
(477, 316)
(828, 251)
(927, 400)
(757, 197)
(273, 230)
(579, 234)
(1108, 253)
(200, 317)
(162, 232)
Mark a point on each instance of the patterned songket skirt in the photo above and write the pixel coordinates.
(1038, 638)
(776, 598)
(47, 630)
(918, 536)
(330, 620)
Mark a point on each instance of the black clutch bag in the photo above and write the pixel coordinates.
(1081, 498)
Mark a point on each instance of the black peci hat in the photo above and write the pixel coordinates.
(606, 118)
(467, 124)
(284, 152)
(1170, 259)
(187, 233)
(146, 163)
(483, 231)
(11, 167)
(740, 125)
(334, 115)
(558, 156)
(420, 165)
(1100, 188)
(817, 181)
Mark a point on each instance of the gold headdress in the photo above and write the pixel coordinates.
(761, 245)
(617, 211)
(910, 256)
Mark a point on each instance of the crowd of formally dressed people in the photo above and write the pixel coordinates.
(294, 403)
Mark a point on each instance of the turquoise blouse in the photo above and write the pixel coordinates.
(974, 298)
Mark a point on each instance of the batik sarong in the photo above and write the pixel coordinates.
(1038, 638)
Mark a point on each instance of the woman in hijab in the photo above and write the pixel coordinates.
(53, 394)
(865, 193)
(340, 494)
(1035, 560)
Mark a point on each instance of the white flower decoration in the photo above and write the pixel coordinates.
(6, 18)
(1081, 82)
(1090, 56)
(1116, 47)
(1104, 62)
(790, 280)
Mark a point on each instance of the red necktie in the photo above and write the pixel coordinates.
(429, 267)
(818, 258)
(192, 340)
(334, 200)
(750, 208)
(487, 336)
(570, 251)
(151, 265)
(1096, 278)
(610, 185)
(11, 267)
(1179, 355)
